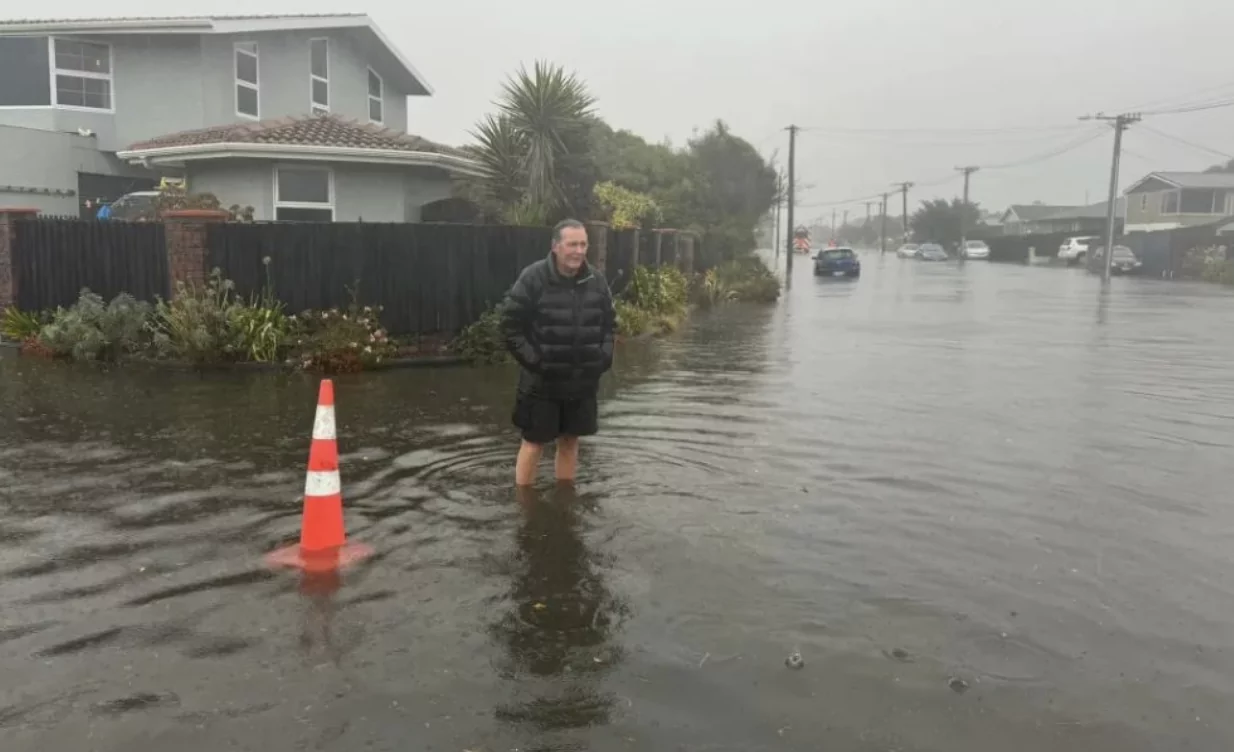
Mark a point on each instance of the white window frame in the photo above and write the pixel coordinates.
(304, 204)
(236, 50)
(1178, 202)
(314, 107)
(109, 76)
(381, 98)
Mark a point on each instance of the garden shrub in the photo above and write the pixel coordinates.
(482, 342)
(342, 341)
(93, 330)
(196, 324)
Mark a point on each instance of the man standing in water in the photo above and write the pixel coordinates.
(558, 323)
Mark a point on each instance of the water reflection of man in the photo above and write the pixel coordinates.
(562, 619)
(558, 323)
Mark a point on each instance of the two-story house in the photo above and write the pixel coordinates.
(1166, 200)
(300, 117)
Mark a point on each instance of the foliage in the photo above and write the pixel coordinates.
(710, 289)
(632, 320)
(537, 137)
(261, 327)
(749, 280)
(196, 324)
(342, 341)
(626, 209)
(1209, 263)
(174, 197)
(940, 221)
(19, 326)
(93, 330)
(482, 342)
(658, 291)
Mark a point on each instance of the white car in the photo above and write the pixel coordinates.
(908, 250)
(975, 249)
(1074, 250)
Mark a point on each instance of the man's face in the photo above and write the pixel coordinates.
(571, 250)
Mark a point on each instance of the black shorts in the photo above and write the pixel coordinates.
(544, 419)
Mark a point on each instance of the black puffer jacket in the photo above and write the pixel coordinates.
(559, 329)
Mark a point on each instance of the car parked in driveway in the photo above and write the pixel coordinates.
(837, 262)
(1074, 250)
(908, 250)
(932, 252)
(975, 249)
(1123, 262)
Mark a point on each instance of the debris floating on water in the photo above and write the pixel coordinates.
(958, 685)
(795, 661)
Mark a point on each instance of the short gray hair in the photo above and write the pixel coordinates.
(565, 224)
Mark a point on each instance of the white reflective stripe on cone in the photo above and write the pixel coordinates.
(325, 483)
(323, 423)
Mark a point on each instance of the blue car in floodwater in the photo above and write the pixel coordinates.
(932, 252)
(837, 262)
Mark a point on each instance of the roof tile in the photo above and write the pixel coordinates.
(307, 130)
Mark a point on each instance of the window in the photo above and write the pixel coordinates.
(319, 76)
(81, 72)
(1143, 202)
(246, 80)
(1169, 202)
(303, 194)
(376, 90)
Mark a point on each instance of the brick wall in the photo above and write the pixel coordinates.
(188, 245)
(8, 238)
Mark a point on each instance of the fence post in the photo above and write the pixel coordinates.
(188, 244)
(685, 256)
(659, 246)
(597, 235)
(634, 238)
(8, 241)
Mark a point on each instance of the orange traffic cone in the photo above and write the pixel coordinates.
(323, 543)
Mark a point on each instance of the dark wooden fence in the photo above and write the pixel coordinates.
(427, 277)
(53, 259)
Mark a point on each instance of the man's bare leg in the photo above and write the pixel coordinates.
(527, 464)
(566, 463)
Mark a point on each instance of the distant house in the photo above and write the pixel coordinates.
(1039, 219)
(1018, 218)
(303, 117)
(1166, 200)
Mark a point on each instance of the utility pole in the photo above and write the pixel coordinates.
(964, 210)
(882, 233)
(845, 225)
(904, 199)
(792, 177)
(779, 203)
(834, 232)
(1120, 124)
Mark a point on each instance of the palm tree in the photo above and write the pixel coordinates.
(523, 148)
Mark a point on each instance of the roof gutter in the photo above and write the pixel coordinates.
(191, 152)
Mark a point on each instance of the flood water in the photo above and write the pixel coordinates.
(984, 503)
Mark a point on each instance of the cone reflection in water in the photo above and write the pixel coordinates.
(323, 543)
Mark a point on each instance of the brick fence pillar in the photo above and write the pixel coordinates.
(597, 236)
(188, 245)
(8, 240)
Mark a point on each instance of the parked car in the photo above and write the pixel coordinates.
(1123, 262)
(837, 262)
(932, 252)
(908, 250)
(1074, 250)
(138, 206)
(975, 249)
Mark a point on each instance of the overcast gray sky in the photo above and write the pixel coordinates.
(665, 67)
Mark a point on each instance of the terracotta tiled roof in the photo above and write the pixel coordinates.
(307, 130)
(206, 16)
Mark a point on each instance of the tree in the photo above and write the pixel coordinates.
(534, 151)
(1227, 167)
(939, 221)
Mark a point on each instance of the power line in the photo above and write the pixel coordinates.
(1070, 146)
(1211, 104)
(830, 129)
(1185, 142)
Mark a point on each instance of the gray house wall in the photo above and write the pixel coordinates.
(36, 158)
(369, 193)
(169, 83)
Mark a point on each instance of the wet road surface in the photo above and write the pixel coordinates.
(984, 503)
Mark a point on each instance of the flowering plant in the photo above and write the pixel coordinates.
(340, 340)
